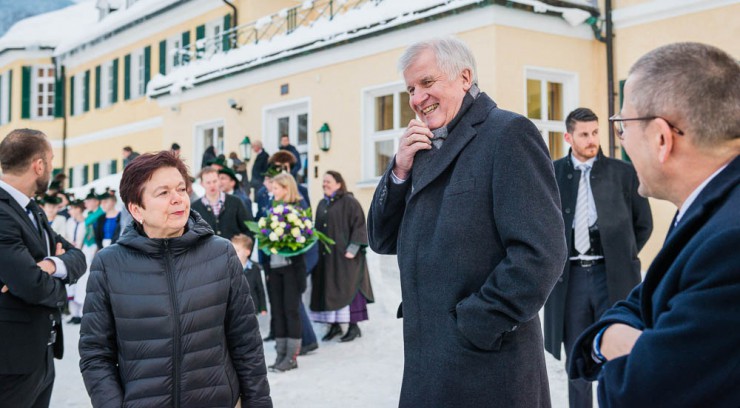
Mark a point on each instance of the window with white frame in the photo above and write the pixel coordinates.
(387, 114)
(106, 84)
(551, 95)
(210, 134)
(4, 98)
(214, 29)
(80, 94)
(174, 45)
(137, 84)
(42, 92)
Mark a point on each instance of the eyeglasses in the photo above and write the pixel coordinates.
(618, 123)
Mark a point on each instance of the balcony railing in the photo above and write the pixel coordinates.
(284, 22)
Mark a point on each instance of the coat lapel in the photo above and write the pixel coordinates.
(697, 215)
(22, 215)
(434, 162)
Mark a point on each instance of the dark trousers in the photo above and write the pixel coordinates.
(28, 390)
(586, 301)
(307, 333)
(286, 286)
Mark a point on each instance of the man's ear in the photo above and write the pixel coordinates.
(467, 76)
(568, 138)
(665, 140)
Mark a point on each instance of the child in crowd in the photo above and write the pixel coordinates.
(252, 270)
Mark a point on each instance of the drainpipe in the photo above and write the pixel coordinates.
(234, 18)
(58, 68)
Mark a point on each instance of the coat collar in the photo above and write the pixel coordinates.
(430, 164)
(713, 195)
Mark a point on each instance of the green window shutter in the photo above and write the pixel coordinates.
(59, 84)
(72, 98)
(26, 93)
(85, 174)
(200, 33)
(56, 171)
(114, 97)
(147, 66)
(113, 166)
(163, 57)
(97, 87)
(86, 92)
(71, 177)
(96, 171)
(226, 44)
(185, 58)
(127, 77)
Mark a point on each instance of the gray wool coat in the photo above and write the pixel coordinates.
(480, 244)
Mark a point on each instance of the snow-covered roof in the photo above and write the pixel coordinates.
(365, 20)
(113, 22)
(48, 30)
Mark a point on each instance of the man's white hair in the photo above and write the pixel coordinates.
(453, 56)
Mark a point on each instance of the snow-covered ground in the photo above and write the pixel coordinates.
(364, 373)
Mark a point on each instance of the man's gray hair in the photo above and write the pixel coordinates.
(453, 56)
(694, 86)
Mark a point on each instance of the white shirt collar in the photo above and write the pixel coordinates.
(21, 198)
(577, 162)
(694, 194)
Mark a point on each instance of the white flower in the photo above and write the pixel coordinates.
(300, 224)
(273, 250)
(292, 217)
(274, 218)
(278, 209)
(274, 225)
(300, 239)
(273, 236)
(283, 224)
(262, 223)
(279, 232)
(296, 232)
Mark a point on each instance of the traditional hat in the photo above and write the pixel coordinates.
(227, 171)
(108, 193)
(48, 199)
(91, 195)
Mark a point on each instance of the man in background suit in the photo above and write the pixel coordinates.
(31, 277)
(674, 341)
(599, 195)
(260, 166)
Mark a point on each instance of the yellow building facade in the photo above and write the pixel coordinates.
(155, 73)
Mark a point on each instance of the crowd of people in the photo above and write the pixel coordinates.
(487, 230)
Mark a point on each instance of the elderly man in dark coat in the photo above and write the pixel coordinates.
(475, 221)
(674, 341)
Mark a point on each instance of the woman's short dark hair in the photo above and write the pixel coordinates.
(337, 176)
(140, 171)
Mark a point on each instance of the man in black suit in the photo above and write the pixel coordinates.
(259, 167)
(607, 224)
(674, 341)
(31, 276)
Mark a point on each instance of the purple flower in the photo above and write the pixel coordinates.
(265, 231)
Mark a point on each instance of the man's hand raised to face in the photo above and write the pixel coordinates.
(416, 137)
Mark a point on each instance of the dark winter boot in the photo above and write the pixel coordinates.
(290, 361)
(353, 332)
(334, 330)
(308, 348)
(281, 344)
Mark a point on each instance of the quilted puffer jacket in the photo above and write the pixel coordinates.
(170, 323)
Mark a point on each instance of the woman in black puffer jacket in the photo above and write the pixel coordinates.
(168, 321)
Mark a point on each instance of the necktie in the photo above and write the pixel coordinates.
(33, 210)
(582, 239)
(440, 135)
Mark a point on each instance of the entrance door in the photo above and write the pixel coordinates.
(211, 134)
(291, 120)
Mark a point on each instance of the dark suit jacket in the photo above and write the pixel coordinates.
(480, 244)
(625, 223)
(258, 169)
(230, 220)
(32, 305)
(688, 308)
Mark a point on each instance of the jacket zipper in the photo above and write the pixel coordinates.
(176, 325)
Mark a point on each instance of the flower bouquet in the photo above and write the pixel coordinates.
(287, 230)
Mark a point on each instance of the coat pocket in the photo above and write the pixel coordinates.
(460, 187)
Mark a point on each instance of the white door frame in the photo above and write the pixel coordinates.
(291, 109)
